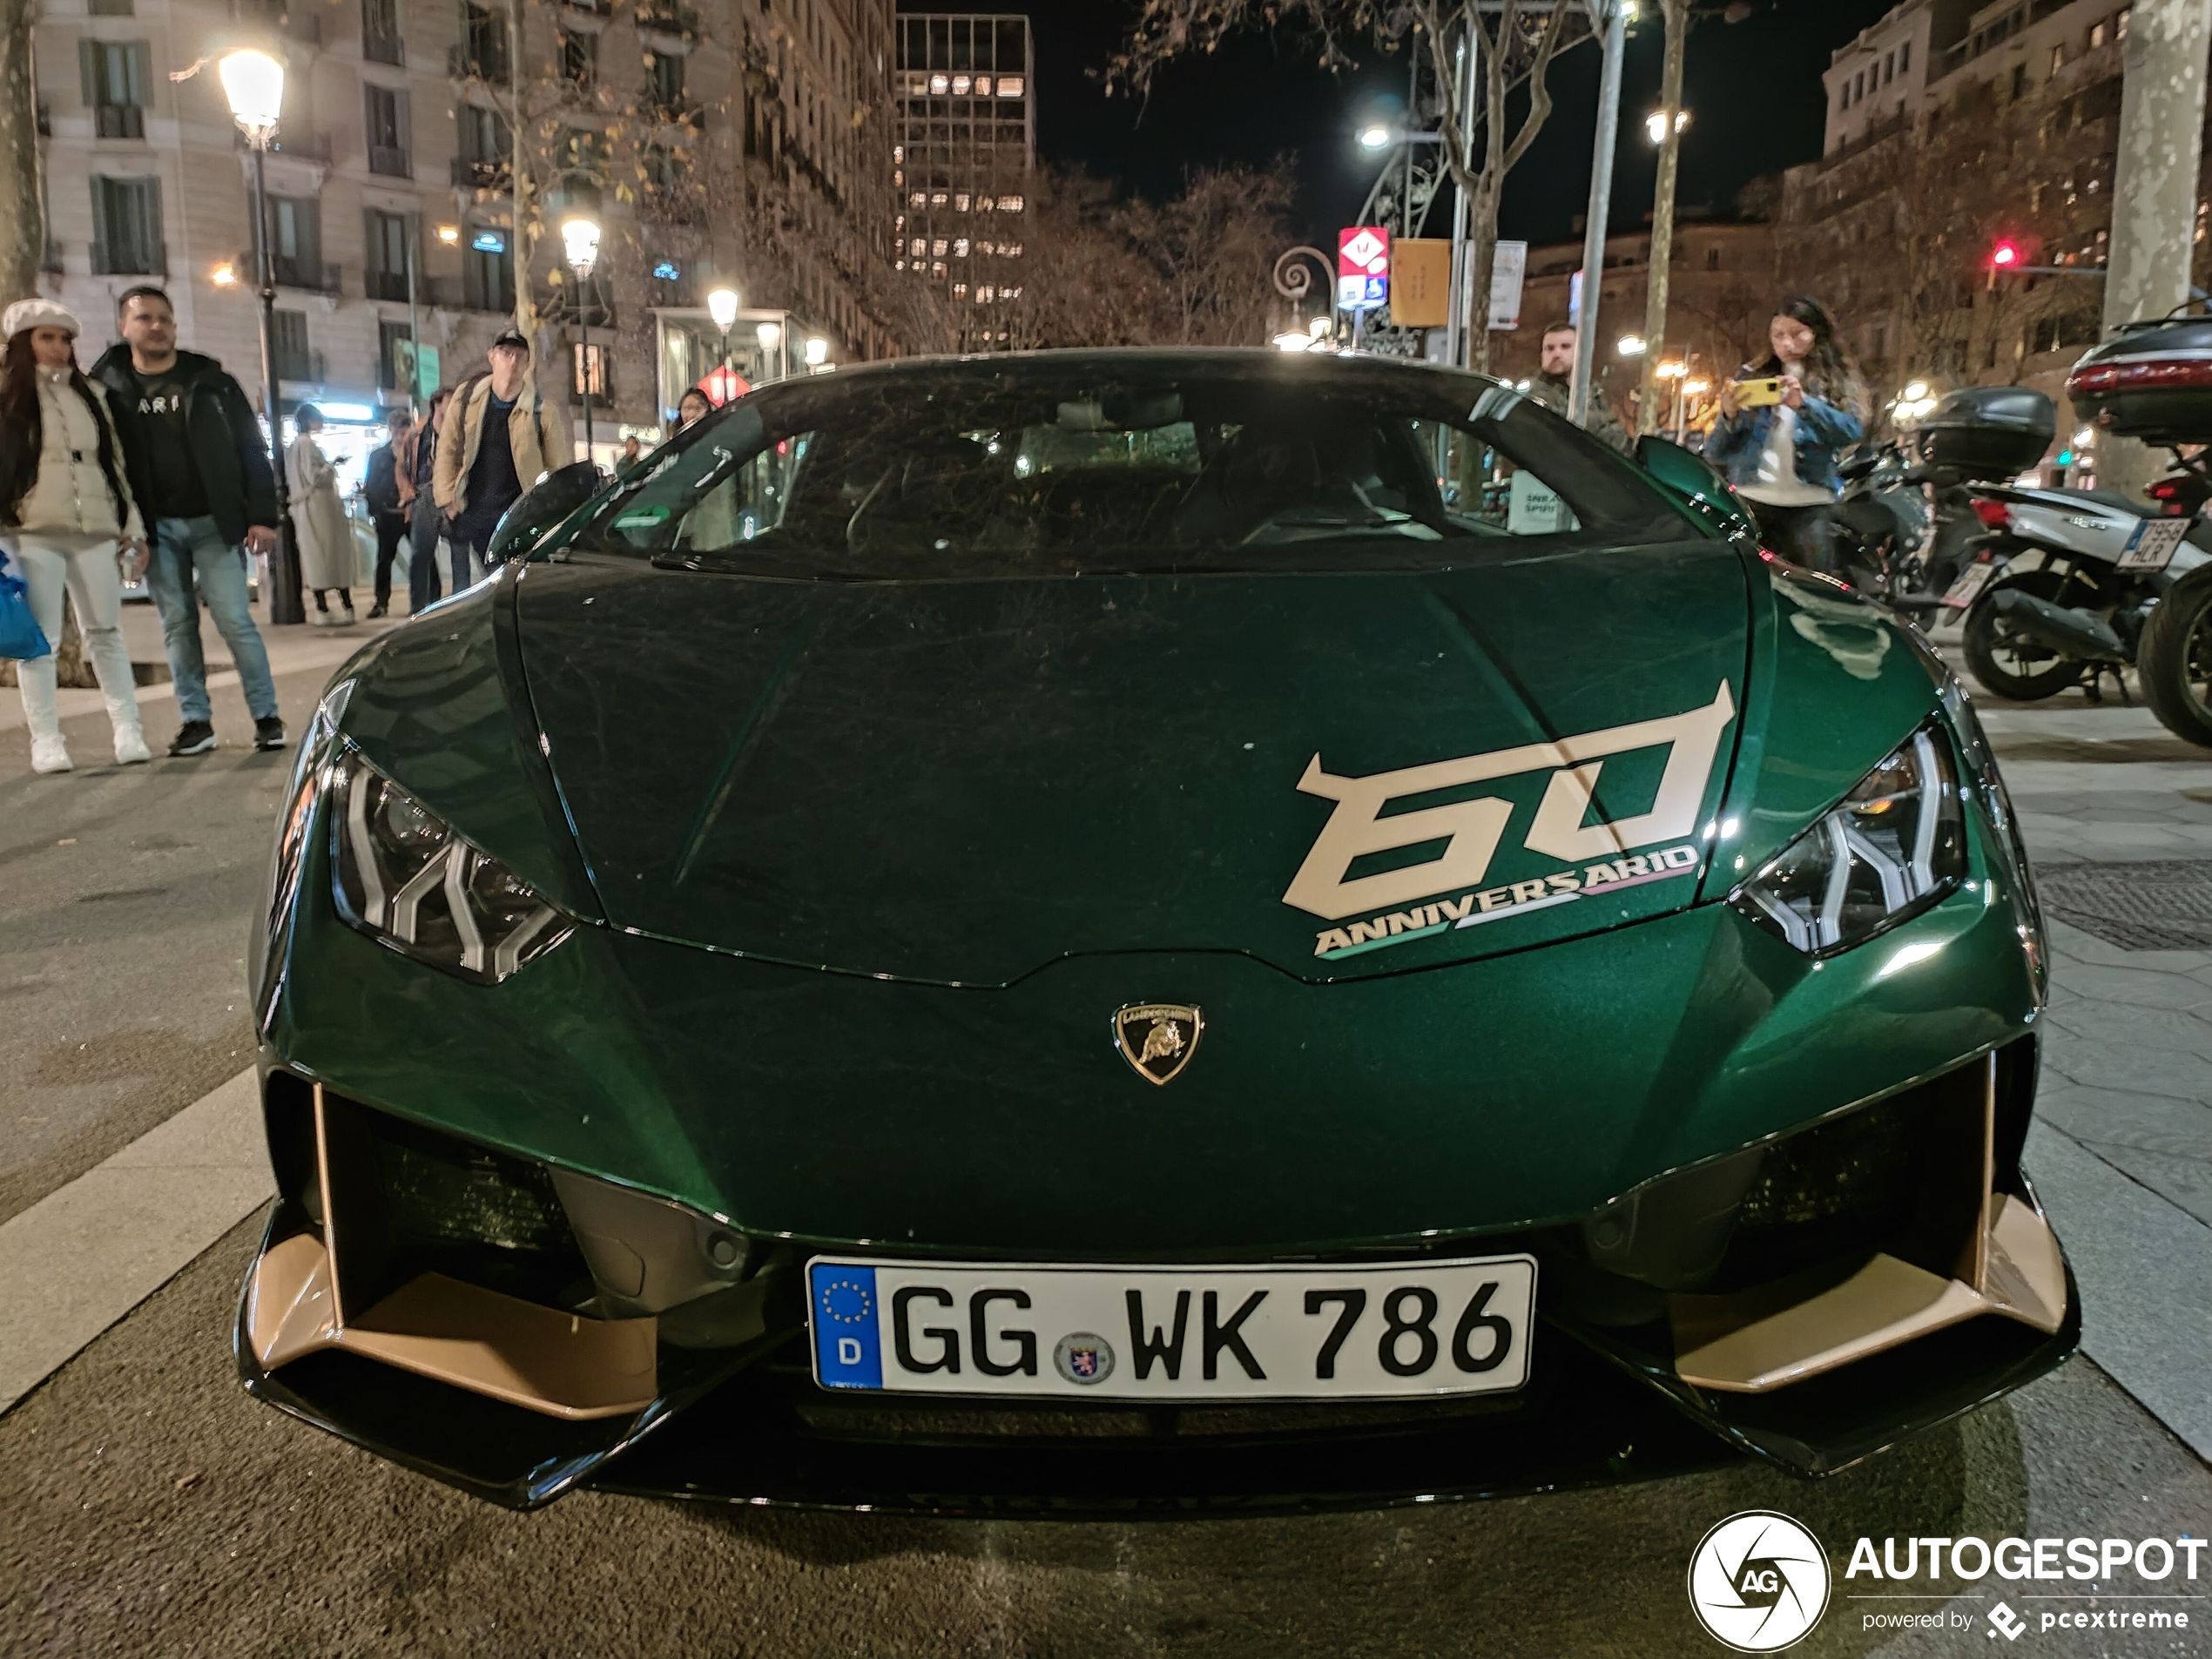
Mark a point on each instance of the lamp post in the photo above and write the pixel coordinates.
(580, 241)
(722, 305)
(771, 336)
(817, 352)
(253, 87)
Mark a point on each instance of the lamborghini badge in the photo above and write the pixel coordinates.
(1157, 1039)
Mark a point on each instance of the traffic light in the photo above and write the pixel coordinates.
(2005, 255)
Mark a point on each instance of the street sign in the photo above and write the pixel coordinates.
(1363, 267)
(1508, 270)
(1420, 283)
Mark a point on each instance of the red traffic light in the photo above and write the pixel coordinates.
(2005, 255)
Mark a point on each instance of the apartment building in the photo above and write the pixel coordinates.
(722, 145)
(963, 152)
(1952, 127)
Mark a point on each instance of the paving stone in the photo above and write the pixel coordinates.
(2185, 1182)
(2129, 1024)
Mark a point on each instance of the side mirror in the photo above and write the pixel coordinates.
(1684, 473)
(539, 508)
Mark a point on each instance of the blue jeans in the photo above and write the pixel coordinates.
(186, 549)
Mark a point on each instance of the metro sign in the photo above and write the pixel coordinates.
(1362, 266)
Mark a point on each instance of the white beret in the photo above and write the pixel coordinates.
(36, 314)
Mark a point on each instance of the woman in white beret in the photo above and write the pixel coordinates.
(67, 517)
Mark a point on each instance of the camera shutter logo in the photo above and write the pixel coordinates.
(1758, 1582)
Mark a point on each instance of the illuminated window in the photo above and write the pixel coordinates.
(960, 203)
(936, 199)
(959, 86)
(938, 247)
(918, 201)
(983, 294)
(986, 204)
(898, 152)
(898, 177)
(940, 84)
(1009, 294)
(916, 248)
(936, 268)
(1012, 249)
(1010, 86)
(983, 86)
(1009, 203)
(960, 289)
(900, 266)
(960, 248)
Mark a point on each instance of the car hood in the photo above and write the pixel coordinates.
(1341, 775)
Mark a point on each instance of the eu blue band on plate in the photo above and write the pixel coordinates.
(849, 1347)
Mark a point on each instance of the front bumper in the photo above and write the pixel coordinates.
(1903, 1302)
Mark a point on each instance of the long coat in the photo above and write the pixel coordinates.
(326, 554)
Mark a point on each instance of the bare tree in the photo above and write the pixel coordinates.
(22, 220)
(1515, 42)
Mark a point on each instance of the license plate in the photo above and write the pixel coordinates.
(1968, 587)
(1291, 1332)
(2153, 544)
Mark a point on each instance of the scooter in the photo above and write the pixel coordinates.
(1906, 532)
(2073, 578)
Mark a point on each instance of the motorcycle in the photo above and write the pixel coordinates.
(2075, 578)
(1903, 531)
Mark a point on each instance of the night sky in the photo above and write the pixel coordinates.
(1754, 89)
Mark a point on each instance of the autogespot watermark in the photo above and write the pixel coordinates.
(1759, 1582)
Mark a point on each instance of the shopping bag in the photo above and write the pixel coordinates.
(20, 636)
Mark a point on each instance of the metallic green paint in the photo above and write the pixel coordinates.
(960, 782)
(1529, 1087)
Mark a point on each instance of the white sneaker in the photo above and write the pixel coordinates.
(324, 619)
(131, 747)
(50, 754)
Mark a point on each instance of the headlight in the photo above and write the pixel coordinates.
(406, 880)
(1896, 845)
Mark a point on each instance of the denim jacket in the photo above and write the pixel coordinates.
(1824, 431)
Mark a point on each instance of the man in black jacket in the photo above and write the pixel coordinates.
(199, 467)
(387, 502)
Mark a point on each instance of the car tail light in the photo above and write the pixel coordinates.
(2164, 372)
(1994, 514)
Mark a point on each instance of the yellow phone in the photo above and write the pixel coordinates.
(1758, 394)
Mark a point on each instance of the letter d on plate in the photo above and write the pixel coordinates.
(842, 1306)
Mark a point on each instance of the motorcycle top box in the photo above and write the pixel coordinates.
(1988, 431)
(2151, 380)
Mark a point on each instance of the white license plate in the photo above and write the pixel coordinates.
(2153, 544)
(1968, 587)
(1291, 1332)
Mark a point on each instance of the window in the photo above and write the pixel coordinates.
(588, 369)
(1036, 470)
(579, 58)
(1889, 69)
(109, 8)
(2058, 60)
(394, 351)
(380, 32)
(389, 133)
(115, 74)
(289, 338)
(295, 241)
(2096, 35)
(2019, 81)
(487, 270)
(387, 240)
(2119, 23)
(664, 81)
(1712, 259)
(126, 228)
(583, 149)
(1904, 58)
(482, 52)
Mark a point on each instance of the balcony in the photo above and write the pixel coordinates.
(678, 111)
(485, 61)
(292, 364)
(119, 121)
(308, 276)
(130, 259)
(385, 285)
(303, 146)
(384, 49)
(471, 174)
(388, 161)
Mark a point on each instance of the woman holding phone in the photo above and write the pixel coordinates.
(1784, 425)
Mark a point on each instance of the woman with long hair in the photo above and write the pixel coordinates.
(692, 408)
(68, 518)
(1781, 456)
(326, 556)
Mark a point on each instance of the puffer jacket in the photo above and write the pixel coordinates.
(73, 493)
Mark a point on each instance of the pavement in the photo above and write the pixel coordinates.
(153, 1508)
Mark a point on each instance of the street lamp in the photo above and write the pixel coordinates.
(771, 336)
(580, 241)
(722, 305)
(1374, 138)
(1655, 124)
(253, 87)
(817, 351)
(1293, 340)
(1629, 346)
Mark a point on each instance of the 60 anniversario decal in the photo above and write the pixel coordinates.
(1470, 830)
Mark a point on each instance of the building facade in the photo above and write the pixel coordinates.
(963, 152)
(1951, 129)
(741, 144)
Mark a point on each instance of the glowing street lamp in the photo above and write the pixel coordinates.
(1655, 124)
(817, 351)
(253, 87)
(580, 243)
(721, 307)
(1374, 138)
(1629, 346)
(1293, 340)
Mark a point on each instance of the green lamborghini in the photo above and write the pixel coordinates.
(1098, 933)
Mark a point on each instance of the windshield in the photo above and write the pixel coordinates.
(1084, 465)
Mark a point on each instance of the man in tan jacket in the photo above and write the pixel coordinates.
(499, 438)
